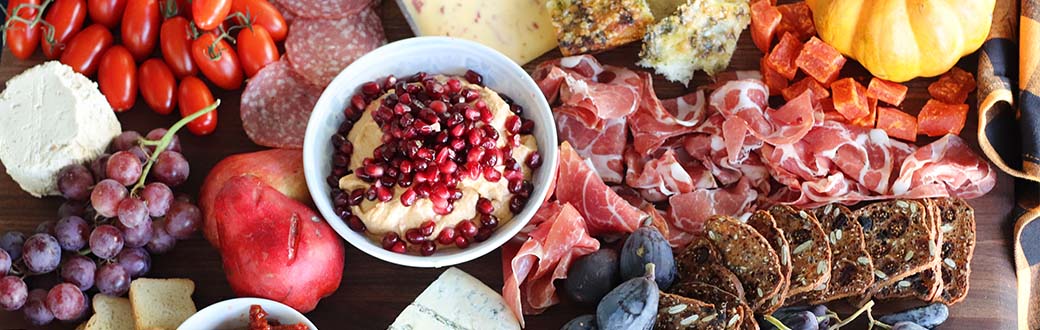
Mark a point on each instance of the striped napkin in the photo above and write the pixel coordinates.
(1009, 121)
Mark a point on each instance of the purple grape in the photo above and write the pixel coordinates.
(72, 233)
(35, 308)
(106, 241)
(41, 253)
(46, 227)
(132, 212)
(12, 243)
(183, 197)
(137, 262)
(158, 197)
(74, 182)
(183, 220)
(13, 293)
(135, 237)
(66, 302)
(162, 241)
(5, 263)
(72, 208)
(125, 140)
(99, 166)
(171, 168)
(157, 134)
(106, 197)
(124, 167)
(141, 154)
(79, 270)
(112, 279)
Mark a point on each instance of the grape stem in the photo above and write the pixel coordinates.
(776, 323)
(866, 308)
(163, 143)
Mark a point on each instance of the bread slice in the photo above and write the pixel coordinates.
(900, 238)
(852, 271)
(161, 304)
(701, 262)
(957, 225)
(748, 255)
(592, 26)
(81, 326)
(810, 253)
(765, 225)
(110, 313)
(678, 312)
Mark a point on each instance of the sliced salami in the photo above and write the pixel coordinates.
(276, 106)
(325, 8)
(318, 49)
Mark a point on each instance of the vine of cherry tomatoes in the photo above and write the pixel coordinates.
(155, 48)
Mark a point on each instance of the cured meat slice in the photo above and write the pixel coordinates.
(602, 208)
(946, 167)
(324, 8)
(820, 61)
(690, 210)
(937, 118)
(651, 125)
(744, 102)
(850, 98)
(897, 124)
(867, 156)
(782, 58)
(953, 86)
(764, 20)
(276, 106)
(664, 176)
(601, 147)
(688, 110)
(530, 269)
(612, 94)
(886, 91)
(318, 49)
(819, 92)
(867, 121)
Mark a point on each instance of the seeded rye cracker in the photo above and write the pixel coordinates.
(748, 255)
(900, 239)
(705, 292)
(765, 225)
(810, 253)
(957, 224)
(678, 312)
(749, 318)
(926, 284)
(701, 262)
(852, 271)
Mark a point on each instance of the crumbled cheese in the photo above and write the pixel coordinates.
(702, 35)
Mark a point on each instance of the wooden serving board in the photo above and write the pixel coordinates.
(373, 292)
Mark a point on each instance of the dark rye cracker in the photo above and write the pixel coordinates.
(748, 255)
(677, 312)
(701, 262)
(810, 253)
(928, 283)
(900, 238)
(852, 271)
(957, 224)
(705, 292)
(765, 225)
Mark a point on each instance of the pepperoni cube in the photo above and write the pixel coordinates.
(820, 60)
(765, 18)
(819, 92)
(937, 118)
(796, 18)
(897, 124)
(886, 91)
(782, 58)
(774, 80)
(870, 119)
(850, 98)
(953, 86)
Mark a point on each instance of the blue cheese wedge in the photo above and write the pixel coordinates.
(50, 117)
(457, 301)
(701, 35)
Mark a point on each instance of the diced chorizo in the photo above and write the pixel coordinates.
(807, 83)
(937, 118)
(820, 60)
(886, 91)
(897, 124)
(953, 86)
(797, 19)
(765, 18)
(782, 58)
(850, 98)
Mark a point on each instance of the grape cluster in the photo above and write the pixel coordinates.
(118, 211)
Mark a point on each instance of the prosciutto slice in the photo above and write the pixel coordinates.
(688, 211)
(651, 125)
(531, 268)
(664, 176)
(605, 211)
(602, 147)
(744, 105)
(946, 166)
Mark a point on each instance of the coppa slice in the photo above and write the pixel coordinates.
(900, 239)
(748, 255)
(701, 262)
(764, 223)
(678, 312)
(852, 271)
(276, 105)
(810, 254)
(957, 225)
(319, 49)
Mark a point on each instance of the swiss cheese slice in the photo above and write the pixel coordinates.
(457, 301)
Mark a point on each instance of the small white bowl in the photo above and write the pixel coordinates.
(433, 55)
(234, 314)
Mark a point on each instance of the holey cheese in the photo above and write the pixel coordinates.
(520, 29)
(51, 117)
(457, 301)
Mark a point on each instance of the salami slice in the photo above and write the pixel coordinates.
(318, 49)
(324, 8)
(276, 106)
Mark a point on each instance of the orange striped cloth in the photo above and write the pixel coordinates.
(1009, 121)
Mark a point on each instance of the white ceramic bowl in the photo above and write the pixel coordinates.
(234, 314)
(434, 55)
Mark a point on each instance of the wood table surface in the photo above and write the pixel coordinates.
(373, 292)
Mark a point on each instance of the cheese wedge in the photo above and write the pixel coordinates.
(457, 301)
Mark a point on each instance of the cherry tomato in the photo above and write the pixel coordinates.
(140, 28)
(21, 38)
(67, 17)
(83, 52)
(222, 66)
(175, 43)
(193, 95)
(106, 12)
(173, 8)
(255, 49)
(158, 86)
(263, 13)
(208, 14)
(117, 78)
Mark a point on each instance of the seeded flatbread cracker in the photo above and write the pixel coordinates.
(852, 271)
(900, 238)
(678, 312)
(705, 292)
(748, 255)
(765, 225)
(923, 286)
(957, 224)
(701, 262)
(810, 253)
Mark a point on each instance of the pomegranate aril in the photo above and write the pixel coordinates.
(401, 109)
(491, 174)
(389, 82)
(516, 204)
(534, 160)
(332, 180)
(399, 247)
(356, 196)
(470, 95)
(514, 184)
(438, 106)
(458, 144)
(466, 228)
(374, 170)
(390, 239)
(427, 248)
(427, 227)
(417, 77)
(490, 158)
(525, 189)
(413, 236)
(484, 206)
(405, 98)
(355, 224)
(483, 234)
(489, 144)
(406, 166)
(486, 115)
(384, 194)
(513, 175)
(527, 127)
(489, 221)
(475, 155)
(453, 85)
(449, 167)
(472, 114)
(340, 160)
(371, 193)
(346, 148)
(458, 130)
(516, 109)
(441, 191)
(358, 102)
(511, 164)
(429, 117)
(474, 78)
(340, 172)
(461, 242)
(513, 124)
(445, 154)
(370, 88)
(447, 236)
(424, 153)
